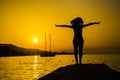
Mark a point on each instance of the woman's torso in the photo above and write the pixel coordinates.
(77, 32)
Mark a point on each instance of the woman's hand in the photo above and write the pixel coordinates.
(57, 25)
(63, 26)
(97, 22)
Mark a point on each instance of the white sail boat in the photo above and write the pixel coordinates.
(47, 53)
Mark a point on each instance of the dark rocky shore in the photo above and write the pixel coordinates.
(83, 72)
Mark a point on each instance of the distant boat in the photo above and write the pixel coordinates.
(47, 53)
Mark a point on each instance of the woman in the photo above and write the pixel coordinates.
(77, 25)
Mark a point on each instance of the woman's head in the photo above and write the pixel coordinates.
(77, 20)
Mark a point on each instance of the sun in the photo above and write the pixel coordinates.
(35, 40)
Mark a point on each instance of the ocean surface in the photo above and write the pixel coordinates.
(34, 67)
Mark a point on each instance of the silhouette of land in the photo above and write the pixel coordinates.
(83, 72)
(12, 50)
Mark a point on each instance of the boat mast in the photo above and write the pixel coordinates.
(45, 43)
(50, 42)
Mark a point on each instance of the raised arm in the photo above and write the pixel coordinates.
(91, 24)
(64, 26)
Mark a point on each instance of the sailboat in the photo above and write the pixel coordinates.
(47, 53)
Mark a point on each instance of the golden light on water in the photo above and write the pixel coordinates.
(36, 73)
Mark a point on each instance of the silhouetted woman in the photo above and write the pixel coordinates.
(77, 25)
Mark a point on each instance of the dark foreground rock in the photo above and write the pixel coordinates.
(83, 72)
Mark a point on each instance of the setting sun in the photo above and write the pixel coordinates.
(35, 40)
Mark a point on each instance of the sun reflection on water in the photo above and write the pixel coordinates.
(35, 66)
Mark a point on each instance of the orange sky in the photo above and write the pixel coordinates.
(23, 20)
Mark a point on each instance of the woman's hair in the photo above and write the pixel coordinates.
(77, 20)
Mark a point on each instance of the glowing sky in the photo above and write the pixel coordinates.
(23, 20)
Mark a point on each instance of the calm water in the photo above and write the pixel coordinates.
(33, 67)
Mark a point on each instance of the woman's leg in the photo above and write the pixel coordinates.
(81, 43)
(75, 45)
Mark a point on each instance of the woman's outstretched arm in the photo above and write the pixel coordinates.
(91, 24)
(64, 26)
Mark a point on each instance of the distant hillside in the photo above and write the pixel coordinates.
(12, 50)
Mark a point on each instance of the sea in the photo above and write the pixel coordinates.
(34, 67)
